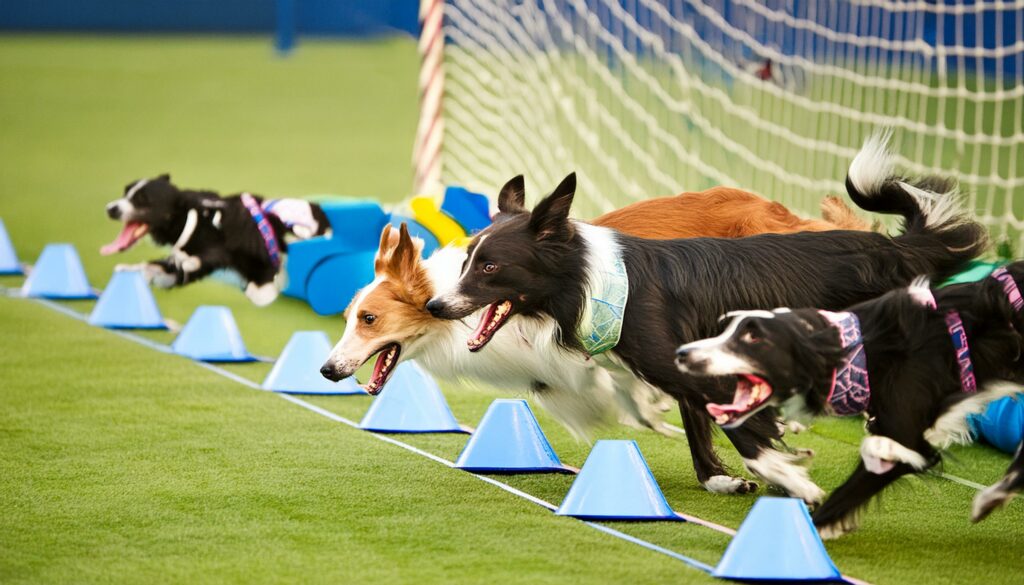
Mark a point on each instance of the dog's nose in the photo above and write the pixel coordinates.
(113, 211)
(328, 371)
(435, 307)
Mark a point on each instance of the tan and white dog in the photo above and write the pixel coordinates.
(388, 317)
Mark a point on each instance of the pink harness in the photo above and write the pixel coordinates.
(850, 392)
(266, 230)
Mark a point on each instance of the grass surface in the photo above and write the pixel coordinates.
(122, 464)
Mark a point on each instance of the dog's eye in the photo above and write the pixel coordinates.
(369, 318)
(490, 267)
(750, 337)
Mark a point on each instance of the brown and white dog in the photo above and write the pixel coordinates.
(388, 319)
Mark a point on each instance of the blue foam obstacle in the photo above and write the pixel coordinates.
(471, 210)
(297, 370)
(127, 303)
(616, 484)
(1002, 423)
(8, 258)
(211, 335)
(58, 274)
(410, 402)
(509, 440)
(334, 282)
(777, 541)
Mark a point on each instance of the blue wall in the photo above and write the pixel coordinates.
(316, 17)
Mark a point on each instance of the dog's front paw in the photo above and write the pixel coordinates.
(725, 484)
(838, 528)
(261, 295)
(139, 267)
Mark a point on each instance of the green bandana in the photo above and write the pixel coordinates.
(602, 323)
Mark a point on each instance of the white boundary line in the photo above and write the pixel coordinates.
(693, 563)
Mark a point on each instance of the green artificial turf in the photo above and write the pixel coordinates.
(123, 464)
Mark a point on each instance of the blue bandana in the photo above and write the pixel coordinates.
(605, 308)
(850, 392)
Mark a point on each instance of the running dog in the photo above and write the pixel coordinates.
(638, 300)
(206, 232)
(388, 318)
(915, 361)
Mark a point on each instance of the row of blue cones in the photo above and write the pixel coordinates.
(615, 482)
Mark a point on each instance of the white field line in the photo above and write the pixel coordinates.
(693, 563)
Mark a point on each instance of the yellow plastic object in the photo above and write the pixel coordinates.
(426, 211)
(462, 242)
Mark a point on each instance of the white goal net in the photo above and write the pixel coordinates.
(645, 97)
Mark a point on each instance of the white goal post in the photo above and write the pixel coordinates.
(652, 97)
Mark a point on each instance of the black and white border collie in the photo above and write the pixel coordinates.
(916, 361)
(543, 265)
(206, 232)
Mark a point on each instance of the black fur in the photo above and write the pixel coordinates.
(678, 287)
(233, 242)
(912, 367)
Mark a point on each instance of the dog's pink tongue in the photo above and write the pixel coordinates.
(717, 410)
(130, 233)
(485, 319)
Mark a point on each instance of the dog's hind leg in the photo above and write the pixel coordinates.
(839, 514)
(1001, 492)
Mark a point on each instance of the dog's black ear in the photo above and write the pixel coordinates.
(164, 177)
(512, 198)
(550, 218)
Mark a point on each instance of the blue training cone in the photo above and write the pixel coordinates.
(8, 259)
(509, 440)
(616, 484)
(127, 303)
(297, 369)
(777, 541)
(58, 274)
(211, 335)
(411, 402)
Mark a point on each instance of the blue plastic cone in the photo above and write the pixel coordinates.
(58, 274)
(297, 369)
(509, 440)
(411, 402)
(8, 259)
(616, 484)
(777, 541)
(211, 335)
(127, 303)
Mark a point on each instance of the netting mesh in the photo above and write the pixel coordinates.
(645, 98)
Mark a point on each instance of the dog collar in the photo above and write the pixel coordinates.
(1009, 287)
(850, 392)
(266, 230)
(606, 306)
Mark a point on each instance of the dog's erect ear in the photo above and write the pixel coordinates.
(164, 177)
(512, 198)
(405, 252)
(550, 218)
(388, 241)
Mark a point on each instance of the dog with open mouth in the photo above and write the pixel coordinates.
(387, 319)
(915, 361)
(244, 233)
(621, 298)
